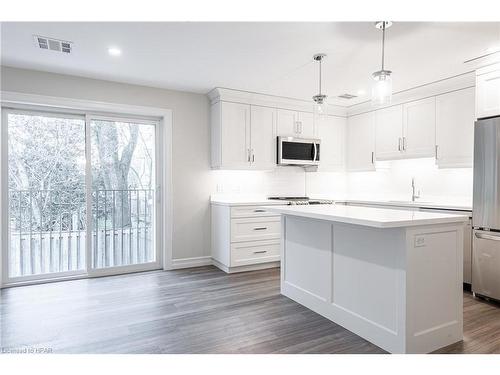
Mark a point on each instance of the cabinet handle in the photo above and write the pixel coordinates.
(260, 252)
(248, 153)
(404, 143)
(373, 156)
(299, 127)
(259, 210)
(260, 228)
(487, 237)
(253, 157)
(399, 144)
(436, 150)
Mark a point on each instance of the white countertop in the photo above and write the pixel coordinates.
(368, 216)
(459, 206)
(243, 200)
(435, 203)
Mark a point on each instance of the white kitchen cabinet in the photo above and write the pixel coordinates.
(389, 133)
(331, 131)
(244, 238)
(235, 135)
(263, 137)
(488, 91)
(455, 128)
(305, 125)
(419, 128)
(361, 142)
(294, 124)
(243, 136)
(286, 124)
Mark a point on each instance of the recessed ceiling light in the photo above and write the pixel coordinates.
(114, 51)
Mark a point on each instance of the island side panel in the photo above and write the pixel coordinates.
(434, 287)
(369, 283)
(306, 261)
(351, 274)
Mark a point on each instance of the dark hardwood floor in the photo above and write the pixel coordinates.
(199, 310)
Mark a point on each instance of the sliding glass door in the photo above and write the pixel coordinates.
(81, 195)
(123, 193)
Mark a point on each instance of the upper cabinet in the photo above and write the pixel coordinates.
(419, 128)
(294, 124)
(455, 128)
(331, 131)
(389, 133)
(488, 91)
(263, 137)
(242, 136)
(361, 142)
(406, 131)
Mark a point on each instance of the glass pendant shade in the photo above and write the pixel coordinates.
(319, 106)
(382, 88)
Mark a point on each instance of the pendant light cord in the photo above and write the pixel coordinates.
(320, 76)
(383, 43)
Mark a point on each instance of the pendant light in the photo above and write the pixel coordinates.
(382, 87)
(320, 99)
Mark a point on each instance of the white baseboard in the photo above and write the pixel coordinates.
(191, 262)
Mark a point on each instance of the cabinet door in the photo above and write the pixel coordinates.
(488, 94)
(331, 131)
(389, 133)
(305, 125)
(263, 137)
(419, 128)
(361, 142)
(455, 128)
(286, 124)
(235, 137)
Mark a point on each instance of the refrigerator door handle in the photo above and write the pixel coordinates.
(487, 236)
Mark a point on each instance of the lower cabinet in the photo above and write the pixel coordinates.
(244, 238)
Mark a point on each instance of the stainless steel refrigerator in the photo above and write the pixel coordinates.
(486, 209)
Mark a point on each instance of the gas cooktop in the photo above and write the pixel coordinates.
(301, 200)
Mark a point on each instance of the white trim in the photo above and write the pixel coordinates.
(62, 103)
(253, 98)
(432, 89)
(18, 100)
(191, 262)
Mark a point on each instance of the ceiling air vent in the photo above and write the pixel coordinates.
(53, 44)
(347, 96)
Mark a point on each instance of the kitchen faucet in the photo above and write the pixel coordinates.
(413, 195)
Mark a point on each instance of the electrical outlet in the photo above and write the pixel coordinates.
(419, 241)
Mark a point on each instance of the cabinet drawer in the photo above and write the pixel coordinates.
(246, 253)
(255, 228)
(250, 211)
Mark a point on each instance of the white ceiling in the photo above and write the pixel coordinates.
(272, 58)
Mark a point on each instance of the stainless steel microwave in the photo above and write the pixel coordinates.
(298, 151)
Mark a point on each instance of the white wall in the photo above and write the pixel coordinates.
(391, 181)
(191, 173)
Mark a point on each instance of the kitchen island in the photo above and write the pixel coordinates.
(393, 277)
